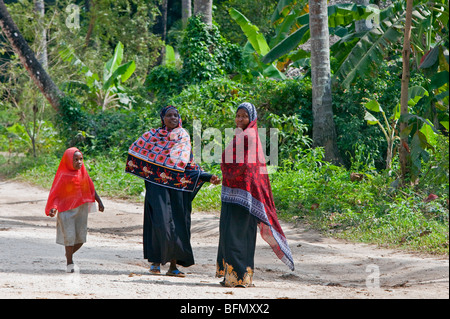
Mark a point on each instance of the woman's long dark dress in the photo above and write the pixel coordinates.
(167, 224)
(237, 242)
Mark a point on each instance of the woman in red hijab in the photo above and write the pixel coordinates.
(247, 204)
(72, 197)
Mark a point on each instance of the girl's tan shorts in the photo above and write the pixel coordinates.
(71, 226)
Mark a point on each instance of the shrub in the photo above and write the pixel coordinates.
(163, 82)
(98, 133)
(214, 103)
(206, 54)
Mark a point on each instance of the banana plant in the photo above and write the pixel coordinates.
(388, 129)
(110, 93)
(291, 19)
(255, 48)
(356, 52)
(421, 139)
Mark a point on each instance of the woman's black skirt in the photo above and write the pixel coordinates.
(167, 225)
(237, 242)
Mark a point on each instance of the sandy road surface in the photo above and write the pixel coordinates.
(33, 266)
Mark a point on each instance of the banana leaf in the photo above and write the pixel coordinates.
(256, 47)
(338, 15)
(286, 46)
(114, 62)
(366, 49)
(283, 8)
(255, 37)
(124, 72)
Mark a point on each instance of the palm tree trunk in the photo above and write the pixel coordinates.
(204, 7)
(324, 132)
(28, 58)
(160, 28)
(186, 11)
(91, 9)
(39, 8)
(403, 152)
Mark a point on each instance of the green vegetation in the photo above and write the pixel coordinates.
(324, 196)
(213, 70)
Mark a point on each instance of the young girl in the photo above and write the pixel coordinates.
(72, 197)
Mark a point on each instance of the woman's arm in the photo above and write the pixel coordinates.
(207, 177)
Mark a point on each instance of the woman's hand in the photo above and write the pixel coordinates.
(215, 180)
(53, 212)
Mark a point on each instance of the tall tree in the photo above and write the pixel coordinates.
(186, 11)
(160, 27)
(204, 7)
(324, 132)
(37, 73)
(39, 8)
(91, 9)
(403, 152)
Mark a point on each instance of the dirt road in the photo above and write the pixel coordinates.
(111, 263)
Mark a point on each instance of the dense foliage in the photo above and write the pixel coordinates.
(212, 72)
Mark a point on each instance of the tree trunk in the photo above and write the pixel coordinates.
(324, 132)
(160, 27)
(39, 8)
(186, 11)
(28, 59)
(92, 10)
(403, 152)
(204, 7)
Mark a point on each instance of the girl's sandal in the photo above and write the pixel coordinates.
(175, 273)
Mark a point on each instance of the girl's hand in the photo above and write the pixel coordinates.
(215, 180)
(100, 203)
(53, 212)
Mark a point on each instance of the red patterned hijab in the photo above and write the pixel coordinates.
(164, 157)
(71, 188)
(246, 183)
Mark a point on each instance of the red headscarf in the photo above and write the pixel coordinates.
(71, 188)
(246, 183)
(164, 157)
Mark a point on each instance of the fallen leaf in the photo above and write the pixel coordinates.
(424, 233)
(356, 177)
(132, 274)
(430, 198)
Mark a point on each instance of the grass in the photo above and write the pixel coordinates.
(370, 210)
(317, 194)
